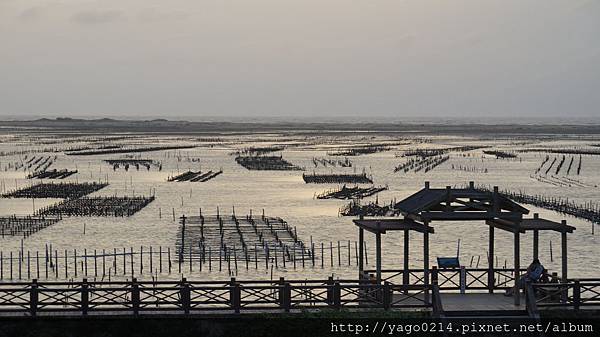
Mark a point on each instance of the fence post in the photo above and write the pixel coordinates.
(85, 299)
(185, 295)
(330, 290)
(387, 295)
(434, 275)
(491, 279)
(33, 298)
(463, 279)
(287, 297)
(576, 294)
(337, 295)
(281, 291)
(135, 296)
(564, 294)
(235, 295)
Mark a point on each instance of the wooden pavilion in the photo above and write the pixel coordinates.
(460, 204)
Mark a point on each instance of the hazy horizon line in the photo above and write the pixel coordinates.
(314, 119)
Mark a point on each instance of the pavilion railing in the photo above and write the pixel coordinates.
(185, 297)
(452, 278)
(575, 293)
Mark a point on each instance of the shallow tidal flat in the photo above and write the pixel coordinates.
(284, 194)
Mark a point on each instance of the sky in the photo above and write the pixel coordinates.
(300, 59)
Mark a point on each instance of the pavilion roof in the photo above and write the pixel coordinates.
(459, 204)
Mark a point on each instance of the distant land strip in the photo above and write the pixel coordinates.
(164, 126)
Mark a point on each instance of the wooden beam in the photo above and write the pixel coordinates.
(517, 266)
(509, 205)
(406, 274)
(456, 207)
(503, 226)
(426, 264)
(471, 194)
(370, 230)
(495, 202)
(383, 225)
(411, 216)
(456, 216)
(491, 276)
(361, 239)
(422, 229)
(563, 242)
(448, 198)
(536, 242)
(482, 206)
(378, 256)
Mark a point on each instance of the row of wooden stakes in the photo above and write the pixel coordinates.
(122, 262)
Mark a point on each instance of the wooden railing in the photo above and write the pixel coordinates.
(453, 279)
(575, 293)
(235, 296)
(133, 297)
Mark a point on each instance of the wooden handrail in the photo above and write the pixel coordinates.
(441, 270)
(576, 300)
(187, 296)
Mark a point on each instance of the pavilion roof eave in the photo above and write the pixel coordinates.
(525, 225)
(395, 224)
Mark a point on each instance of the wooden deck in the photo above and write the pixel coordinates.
(470, 302)
(480, 302)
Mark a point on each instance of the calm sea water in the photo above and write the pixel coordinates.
(284, 194)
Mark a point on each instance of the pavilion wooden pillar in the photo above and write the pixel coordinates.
(563, 242)
(495, 203)
(536, 239)
(536, 244)
(406, 273)
(426, 261)
(491, 281)
(517, 264)
(378, 255)
(491, 253)
(361, 239)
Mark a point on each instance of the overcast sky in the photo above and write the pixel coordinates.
(300, 58)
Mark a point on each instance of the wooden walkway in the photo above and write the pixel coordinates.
(480, 302)
(469, 302)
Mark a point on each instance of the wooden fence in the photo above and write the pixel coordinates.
(134, 298)
(454, 278)
(574, 294)
(236, 296)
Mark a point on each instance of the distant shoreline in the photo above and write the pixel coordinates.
(163, 126)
